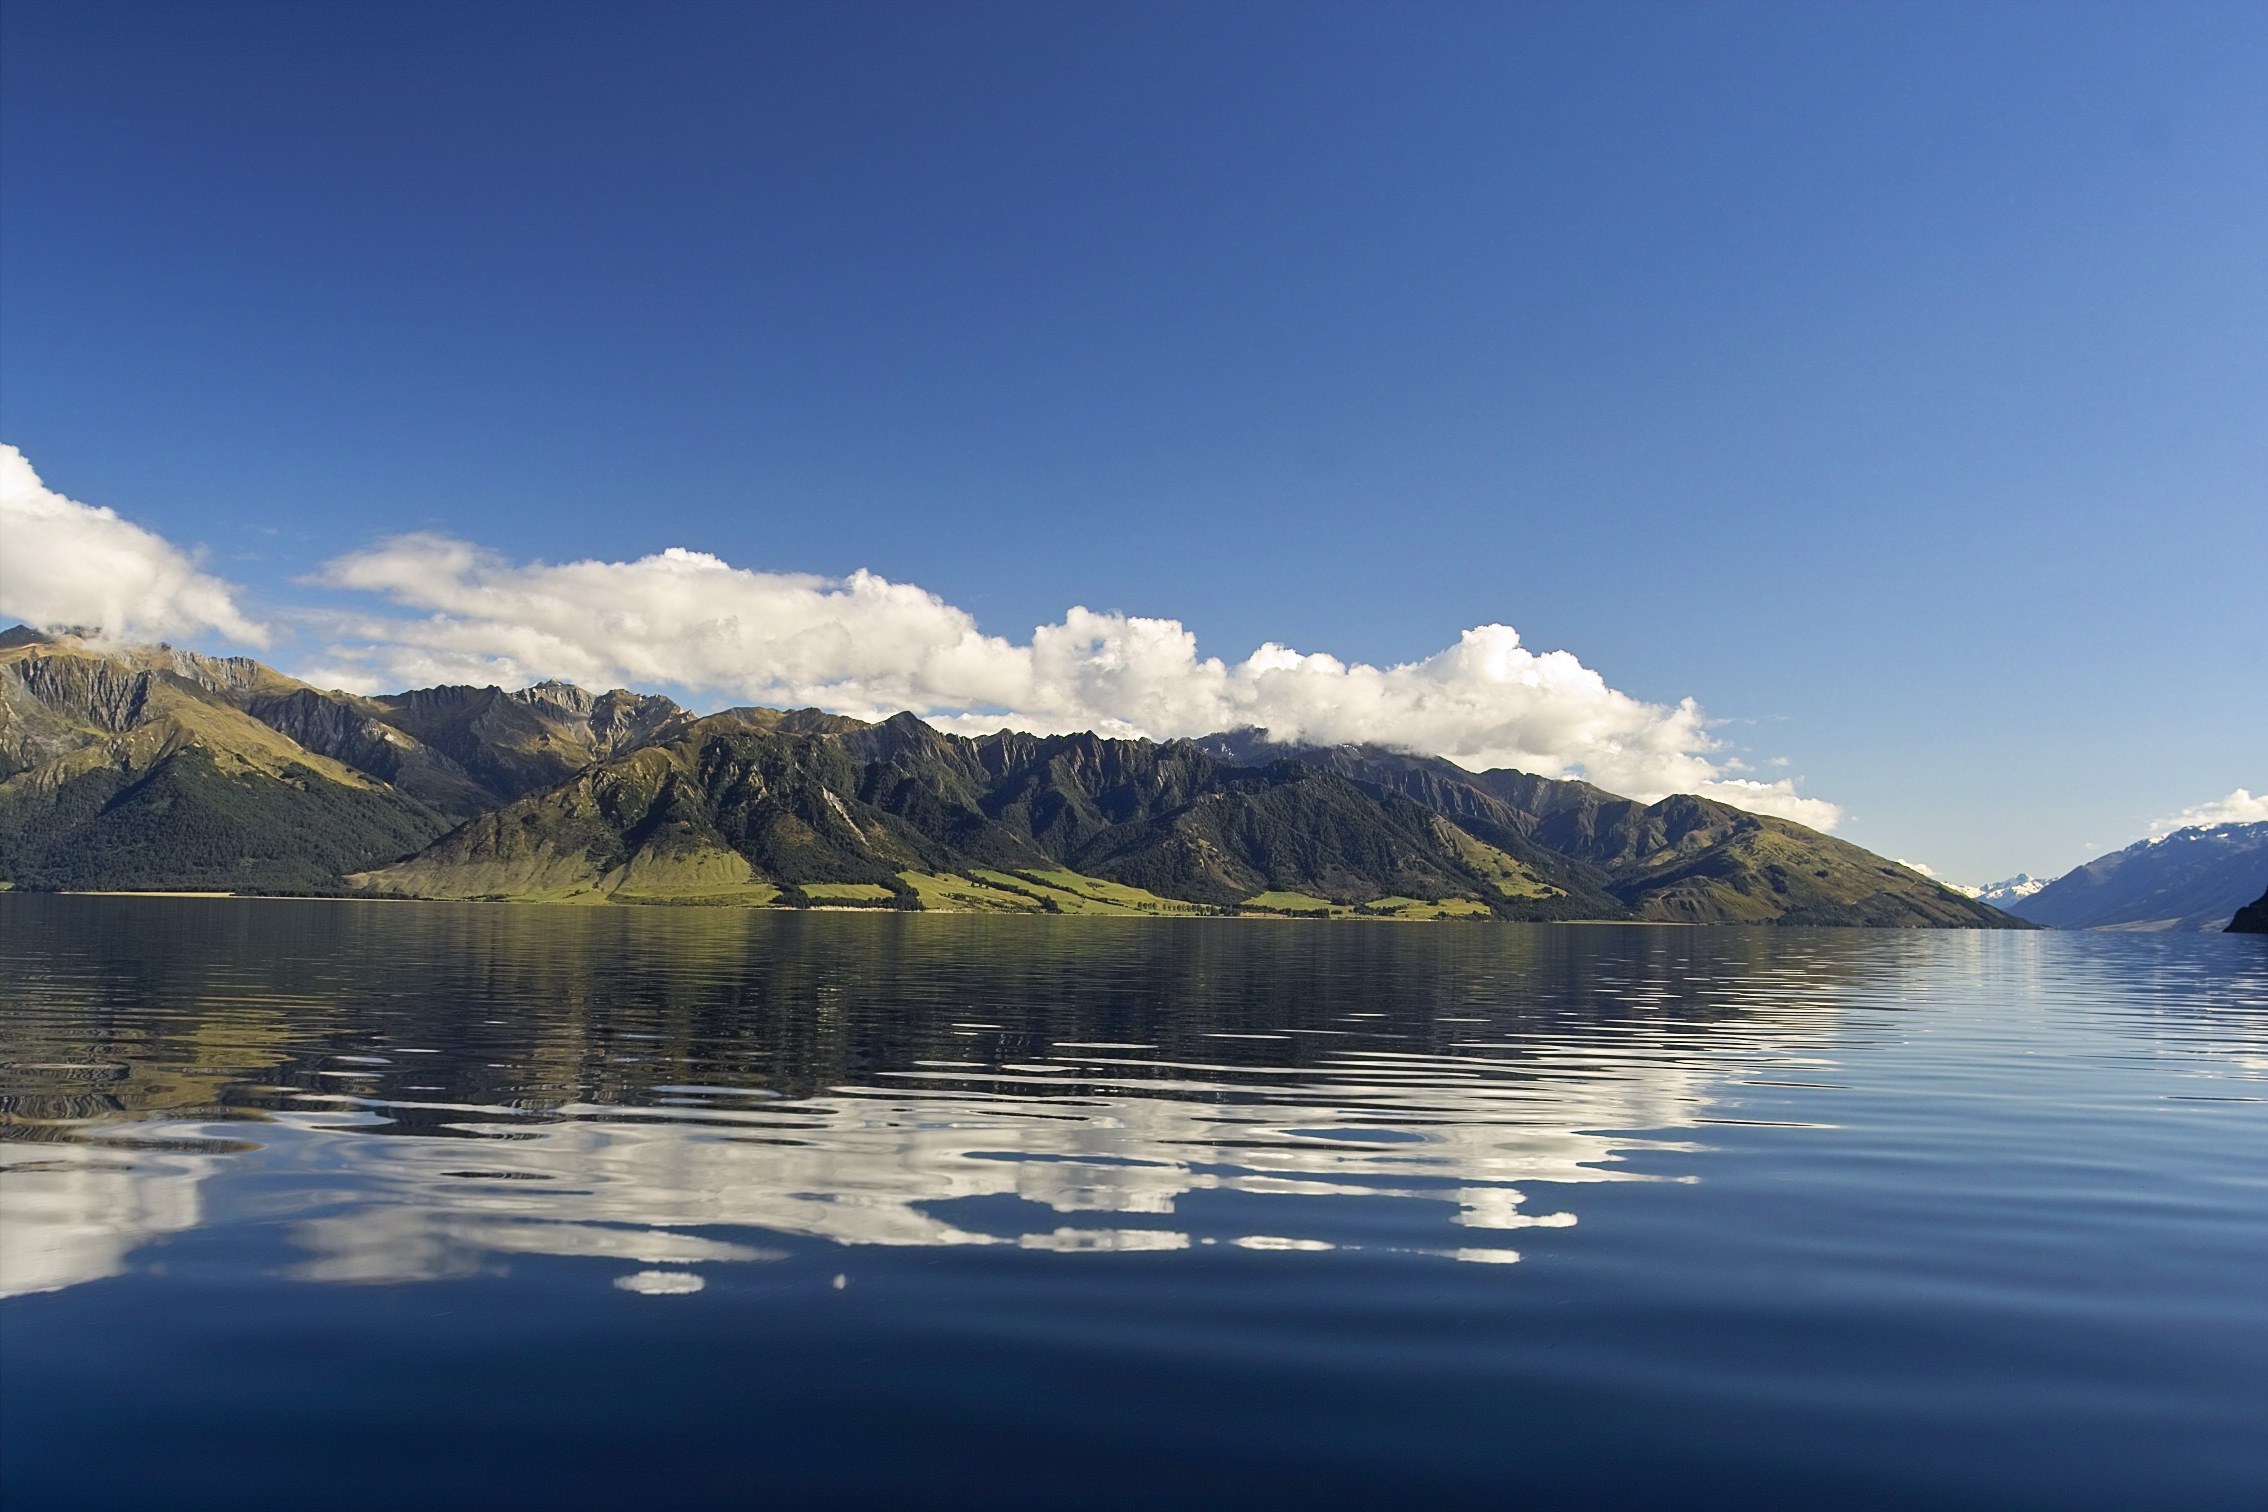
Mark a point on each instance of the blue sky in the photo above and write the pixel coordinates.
(1891, 380)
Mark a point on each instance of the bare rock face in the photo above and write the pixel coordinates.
(354, 732)
(513, 744)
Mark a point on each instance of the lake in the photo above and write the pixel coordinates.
(420, 1205)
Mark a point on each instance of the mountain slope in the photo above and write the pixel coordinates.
(458, 750)
(130, 769)
(2252, 918)
(512, 744)
(1501, 808)
(466, 750)
(806, 806)
(2191, 879)
(1170, 818)
(1684, 859)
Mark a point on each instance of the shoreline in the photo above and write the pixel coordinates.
(1255, 916)
(1252, 916)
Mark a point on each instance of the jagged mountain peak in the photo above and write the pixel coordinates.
(2009, 889)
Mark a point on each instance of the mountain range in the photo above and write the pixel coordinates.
(2192, 879)
(155, 768)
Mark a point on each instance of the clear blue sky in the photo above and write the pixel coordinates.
(1894, 379)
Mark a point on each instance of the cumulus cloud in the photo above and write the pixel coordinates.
(67, 565)
(2240, 807)
(865, 646)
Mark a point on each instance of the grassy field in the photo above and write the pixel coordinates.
(1072, 892)
(754, 895)
(847, 892)
(1053, 890)
(1295, 903)
(946, 893)
(1422, 908)
(1307, 906)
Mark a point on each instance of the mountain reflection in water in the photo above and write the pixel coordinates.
(366, 1203)
(477, 1083)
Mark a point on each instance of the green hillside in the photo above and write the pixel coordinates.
(195, 821)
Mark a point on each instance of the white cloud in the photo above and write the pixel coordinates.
(865, 646)
(1925, 869)
(64, 564)
(2240, 807)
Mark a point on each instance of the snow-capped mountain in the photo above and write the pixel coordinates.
(2008, 890)
(2193, 879)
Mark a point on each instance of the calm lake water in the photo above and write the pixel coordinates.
(405, 1205)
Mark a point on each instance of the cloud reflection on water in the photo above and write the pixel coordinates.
(434, 1092)
(72, 1213)
(899, 1162)
(883, 1166)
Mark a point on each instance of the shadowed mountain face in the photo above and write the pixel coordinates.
(1683, 859)
(138, 769)
(2252, 918)
(155, 767)
(757, 801)
(516, 743)
(751, 800)
(152, 767)
(466, 750)
(2191, 879)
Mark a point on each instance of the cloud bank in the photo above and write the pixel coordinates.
(2240, 807)
(67, 565)
(868, 647)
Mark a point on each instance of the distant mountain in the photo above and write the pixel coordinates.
(158, 768)
(2252, 918)
(2010, 890)
(2189, 880)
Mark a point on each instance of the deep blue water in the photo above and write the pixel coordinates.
(402, 1205)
